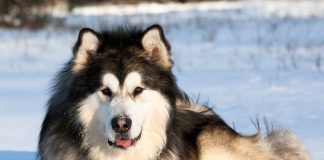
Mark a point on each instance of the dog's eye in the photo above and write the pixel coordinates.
(106, 92)
(137, 91)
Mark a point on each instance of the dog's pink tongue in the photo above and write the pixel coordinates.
(123, 142)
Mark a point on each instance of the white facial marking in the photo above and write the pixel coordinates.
(111, 81)
(132, 81)
(133, 109)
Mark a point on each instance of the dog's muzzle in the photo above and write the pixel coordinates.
(121, 125)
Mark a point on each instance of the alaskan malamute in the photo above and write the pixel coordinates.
(117, 99)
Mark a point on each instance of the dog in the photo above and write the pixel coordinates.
(117, 99)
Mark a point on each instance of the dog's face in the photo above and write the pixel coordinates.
(123, 107)
(127, 79)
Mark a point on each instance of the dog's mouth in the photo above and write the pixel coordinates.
(123, 141)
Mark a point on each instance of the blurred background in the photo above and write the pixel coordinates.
(245, 58)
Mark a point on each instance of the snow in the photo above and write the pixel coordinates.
(247, 59)
(17, 155)
(299, 8)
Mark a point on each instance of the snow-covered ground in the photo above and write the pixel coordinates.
(247, 59)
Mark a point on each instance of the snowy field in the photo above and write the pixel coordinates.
(246, 59)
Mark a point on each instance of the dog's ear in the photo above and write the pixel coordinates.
(85, 48)
(156, 46)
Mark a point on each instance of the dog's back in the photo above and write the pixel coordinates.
(215, 140)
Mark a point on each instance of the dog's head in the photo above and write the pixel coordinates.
(125, 78)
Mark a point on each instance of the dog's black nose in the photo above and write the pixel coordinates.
(121, 124)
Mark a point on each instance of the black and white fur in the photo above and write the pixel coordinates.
(126, 72)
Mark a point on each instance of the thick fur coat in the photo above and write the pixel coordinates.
(117, 99)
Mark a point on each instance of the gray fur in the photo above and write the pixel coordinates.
(286, 144)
